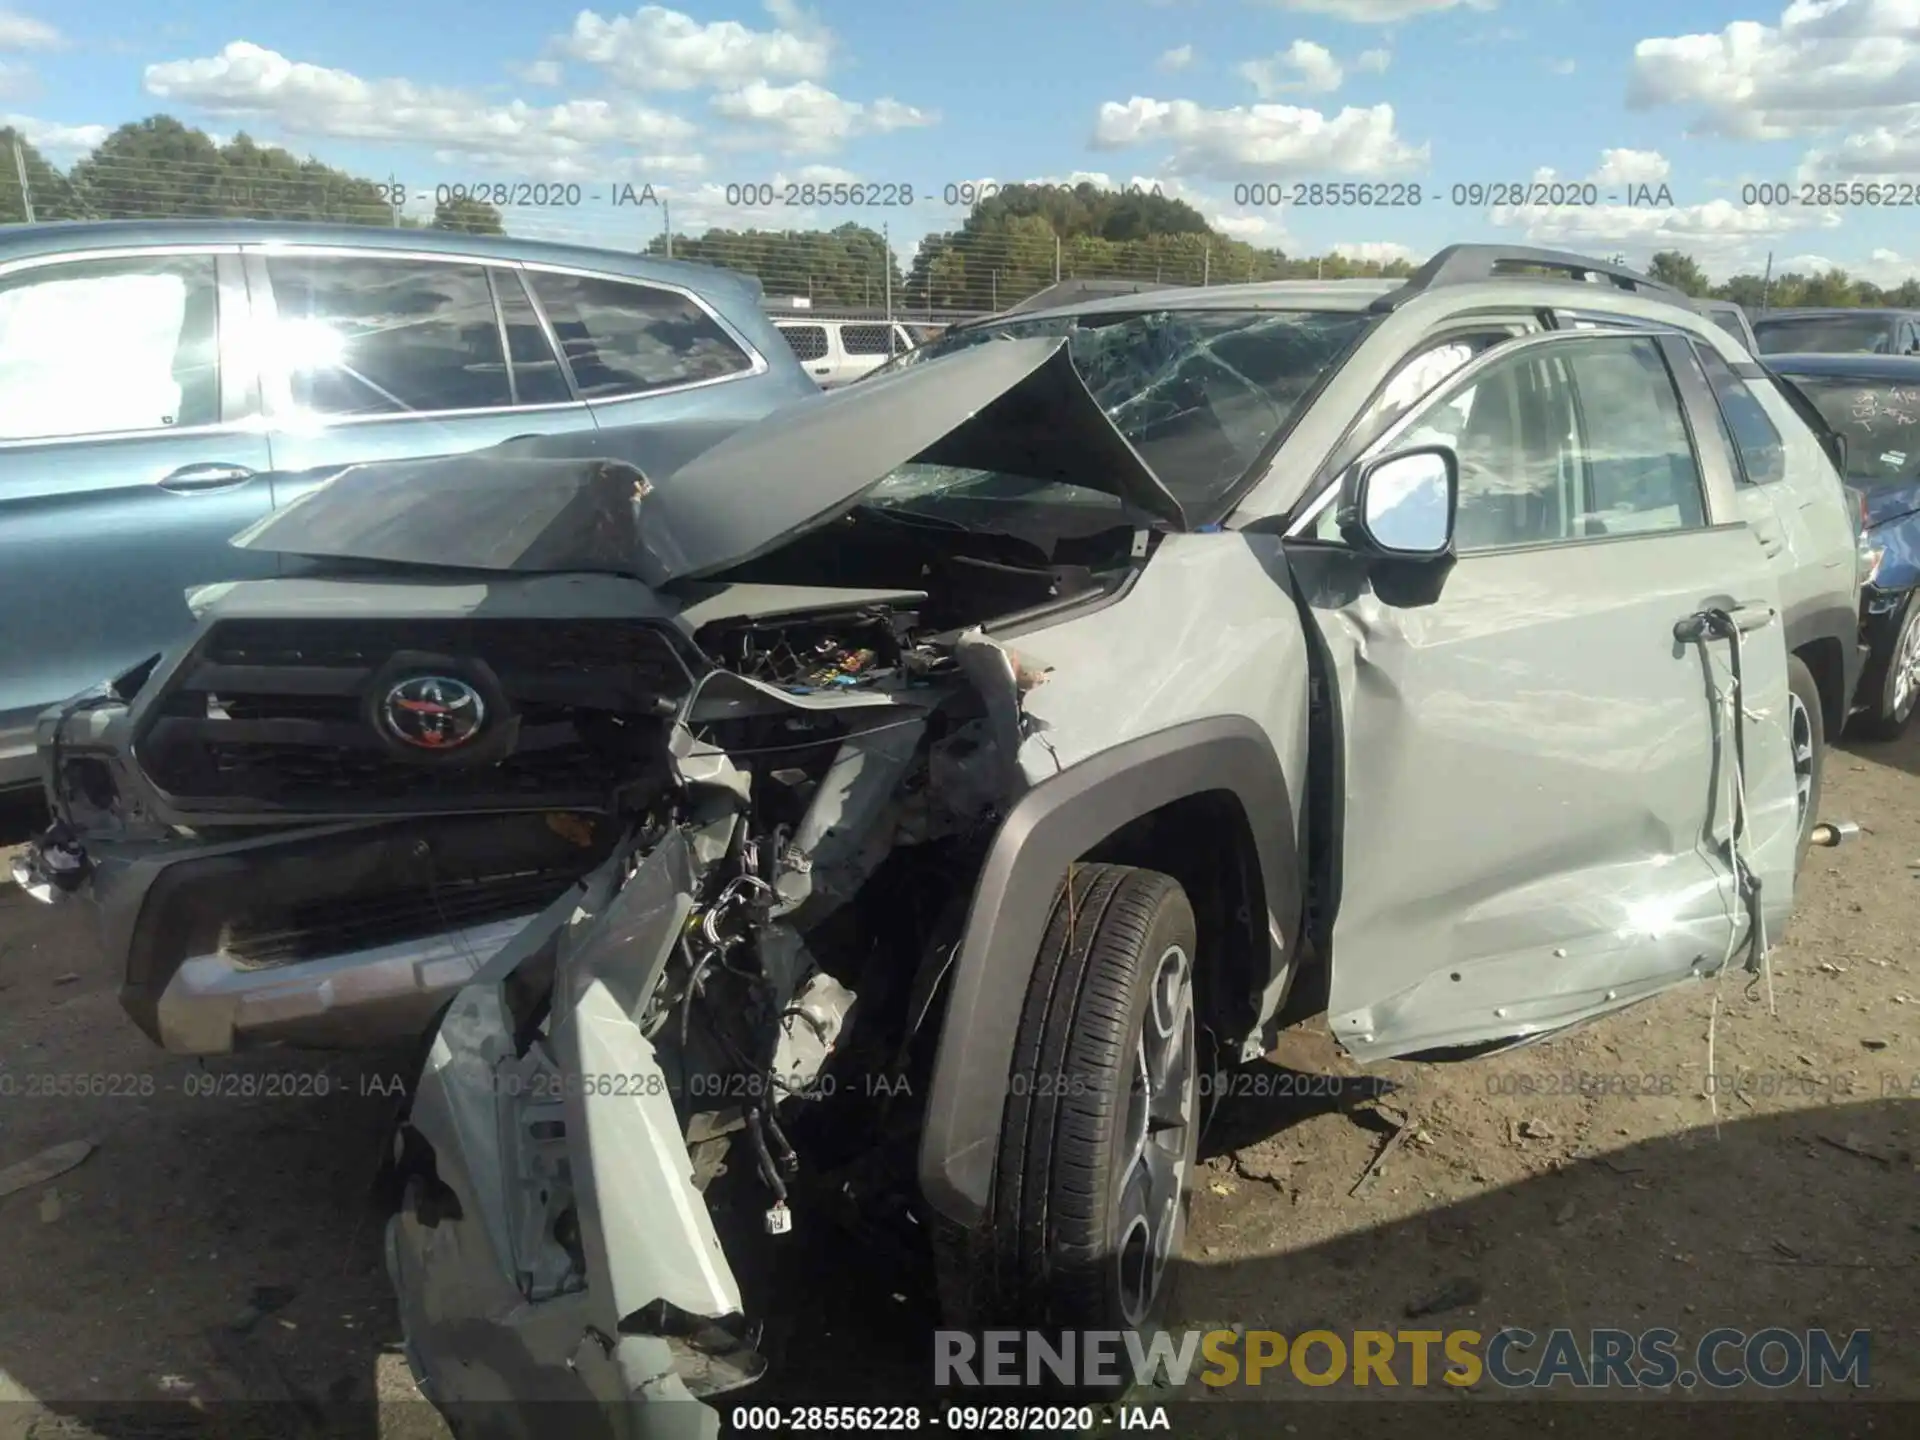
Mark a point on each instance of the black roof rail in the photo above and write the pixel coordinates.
(1466, 264)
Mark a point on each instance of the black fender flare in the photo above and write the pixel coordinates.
(1809, 624)
(1054, 824)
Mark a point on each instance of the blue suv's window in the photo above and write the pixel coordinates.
(367, 335)
(97, 347)
(622, 338)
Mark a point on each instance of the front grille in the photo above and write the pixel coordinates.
(312, 931)
(278, 715)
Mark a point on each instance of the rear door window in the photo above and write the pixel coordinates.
(1763, 454)
(624, 338)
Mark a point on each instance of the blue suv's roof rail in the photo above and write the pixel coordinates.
(1470, 264)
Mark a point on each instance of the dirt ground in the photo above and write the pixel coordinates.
(220, 1247)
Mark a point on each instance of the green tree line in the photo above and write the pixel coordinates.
(160, 168)
(1789, 288)
(1013, 243)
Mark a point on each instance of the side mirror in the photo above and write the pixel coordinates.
(1402, 505)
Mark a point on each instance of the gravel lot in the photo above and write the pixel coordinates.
(224, 1247)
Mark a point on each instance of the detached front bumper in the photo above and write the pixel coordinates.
(552, 1245)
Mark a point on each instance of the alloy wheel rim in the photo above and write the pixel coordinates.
(1906, 664)
(1161, 1105)
(1800, 733)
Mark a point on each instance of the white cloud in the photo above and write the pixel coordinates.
(1632, 167)
(23, 32)
(541, 72)
(1259, 230)
(1313, 69)
(1373, 61)
(53, 138)
(1276, 142)
(1885, 268)
(1375, 252)
(1717, 232)
(1717, 223)
(1564, 67)
(662, 49)
(1178, 58)
(1826, 64)
(1381, 12)
(1890, 151)
(805, 118)
(247, 82)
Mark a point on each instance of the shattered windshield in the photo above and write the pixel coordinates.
(1880, 420)
(1823, 335)
(1200, 394)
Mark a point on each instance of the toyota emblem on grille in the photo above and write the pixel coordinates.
(433, 712)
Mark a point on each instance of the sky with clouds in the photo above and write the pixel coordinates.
(1213, 100)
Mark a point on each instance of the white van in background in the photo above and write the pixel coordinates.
(837, 352)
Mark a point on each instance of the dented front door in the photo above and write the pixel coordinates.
(1537, 788)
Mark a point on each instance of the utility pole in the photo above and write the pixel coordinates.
(1206, 265)
(20, 169)
(886, 259)
(1766, 282)
(666, 224)
(1056, 257)
(393, 199)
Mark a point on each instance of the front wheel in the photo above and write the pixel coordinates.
(1101, 1123)
(1891, 685)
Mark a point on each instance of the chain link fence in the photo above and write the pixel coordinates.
(923, 260)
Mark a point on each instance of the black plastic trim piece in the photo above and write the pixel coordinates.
(1056, 823)
(1471, 264)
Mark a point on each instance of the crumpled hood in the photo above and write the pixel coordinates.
(1011, 405)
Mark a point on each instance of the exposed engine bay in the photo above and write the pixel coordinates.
(711, 975)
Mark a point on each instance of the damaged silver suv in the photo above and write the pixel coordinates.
(909, 800)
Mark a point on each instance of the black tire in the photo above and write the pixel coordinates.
(1052, 1256)
(1885, 714)
(1807, 731)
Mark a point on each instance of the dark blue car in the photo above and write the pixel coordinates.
(165, 384)
(1872, 402)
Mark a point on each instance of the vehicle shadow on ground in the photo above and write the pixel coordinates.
(1798, 1220)
(23, 814)
(1901, 754)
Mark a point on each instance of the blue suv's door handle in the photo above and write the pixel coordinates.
(189, 479)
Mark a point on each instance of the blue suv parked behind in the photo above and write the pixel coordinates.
(163, 385)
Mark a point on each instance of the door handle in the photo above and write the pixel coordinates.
(1701, 624)
(212, 475)
(1772, 539)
